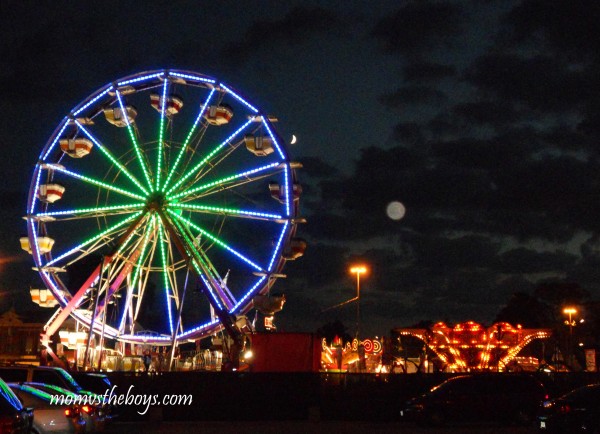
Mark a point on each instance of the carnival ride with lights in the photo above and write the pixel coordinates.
(470, 346)
(162, 184)
(356, 356)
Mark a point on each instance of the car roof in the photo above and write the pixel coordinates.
(501, 379)
(25, 388)
(52, 387)
(589, 391)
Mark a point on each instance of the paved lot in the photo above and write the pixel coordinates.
(302, 427)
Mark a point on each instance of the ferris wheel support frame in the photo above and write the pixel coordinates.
(59, 319)
(224, 317)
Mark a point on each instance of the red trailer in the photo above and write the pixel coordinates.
(286, 352)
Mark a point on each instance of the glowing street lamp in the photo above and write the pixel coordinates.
(570, 311)
(358, 270)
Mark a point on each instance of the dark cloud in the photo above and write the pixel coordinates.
(419, 26)
(528, 261)
(431, 187)
(310, 272)
(590, 249)
(587, 274)
(491, 112)
(570, 28)
(388, 160)
(567, 138)
(467, 286)
(413, 95)
(508, 286)
(387, 265)
(426, 71)
(560, 188)
(327, 226)
(490, 155)
(409, 133)
(540, 82)
(315, 167)
(513, 223)
(444, 126)
(466, 252)
(299, 23)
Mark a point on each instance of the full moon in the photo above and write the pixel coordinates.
(395, 210)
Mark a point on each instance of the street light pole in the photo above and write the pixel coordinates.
(358, 270)
(571, 323)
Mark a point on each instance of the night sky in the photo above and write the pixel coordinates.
(479, 116)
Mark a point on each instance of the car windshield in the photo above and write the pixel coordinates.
(8, 396)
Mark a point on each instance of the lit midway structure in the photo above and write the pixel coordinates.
(160, 183)
(470, 346)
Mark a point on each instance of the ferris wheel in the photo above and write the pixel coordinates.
(165, 192)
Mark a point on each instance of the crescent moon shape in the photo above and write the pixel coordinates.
(294, 139)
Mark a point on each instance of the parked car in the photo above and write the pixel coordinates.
(92, 409)
(98, 384)
(575, 412)
(14, 417)
(493, 398)
(49, 417)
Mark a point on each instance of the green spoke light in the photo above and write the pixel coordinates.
(187, 139)
(165, 270)
(138, 268)
(224, 180)
(161, 135)
(134, 142)
(228, 211)
(102, 209)
(208, 157)
(197, 260)
(217, 241)
(95, 182)
(94, 238)
(112, 159)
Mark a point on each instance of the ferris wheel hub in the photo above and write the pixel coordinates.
(156, 201)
